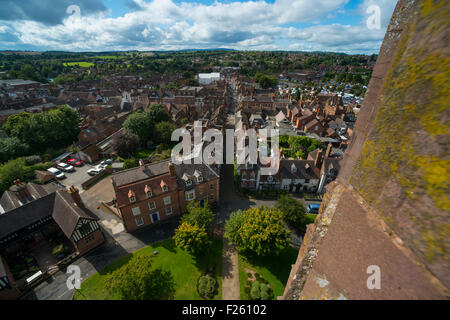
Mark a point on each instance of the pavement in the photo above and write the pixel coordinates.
(230, 273)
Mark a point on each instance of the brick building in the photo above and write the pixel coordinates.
(158, 191)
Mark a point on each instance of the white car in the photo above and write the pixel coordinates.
(101, 166)
(94, 171)
(107, 162)
(65, 167)
(57, 173)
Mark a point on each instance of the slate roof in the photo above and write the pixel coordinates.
(136, 174)
(302, 172)
(205, 171)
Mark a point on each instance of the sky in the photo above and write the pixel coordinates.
(349, 26)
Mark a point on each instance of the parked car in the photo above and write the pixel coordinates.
(94, 171)
(101, 166)
(313, 208)
(107, 162)
(57, 173)
(65, 167)
(75, 162)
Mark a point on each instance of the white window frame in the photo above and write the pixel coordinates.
(154, 205)
(149, 194)
(190, 192)
(132, 199)
(167, 210)
(165, 188)
(189, 182)
(169, 202)
(136, 214)
(139, 224)
(269, 179)
(200, 179)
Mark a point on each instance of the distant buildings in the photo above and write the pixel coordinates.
(208, 78)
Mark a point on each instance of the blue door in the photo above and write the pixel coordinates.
(202, 202)
(155, 217)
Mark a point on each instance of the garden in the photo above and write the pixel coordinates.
(188, 272)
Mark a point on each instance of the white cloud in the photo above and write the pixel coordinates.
(162, 24)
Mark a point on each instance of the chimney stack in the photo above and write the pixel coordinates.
(73, 191)
(172, 171)
(318, 160)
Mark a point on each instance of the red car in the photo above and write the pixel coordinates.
(75, 162)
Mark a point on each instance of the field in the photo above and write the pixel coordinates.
(83, 64)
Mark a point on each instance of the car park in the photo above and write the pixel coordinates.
(65, 167)
(75, 162)
(57, 173)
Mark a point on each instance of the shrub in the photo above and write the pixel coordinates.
(129, 163)
(261, 291)
(30, 160)
(206, 286)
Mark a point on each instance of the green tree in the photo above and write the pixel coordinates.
(157, 113)
(56, 128)
(257, 230)
(125, 144)
(11, 148)
(163, 132)
(196, 214)
(293, 210)
(140, 124)
(12, 170)
(137, 281)
(192, 238)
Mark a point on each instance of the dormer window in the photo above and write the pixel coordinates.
(198, 175)
(187, 180)
(131, 196)
(293, 168)
(270, 178)
(164, 186)
(148, 192)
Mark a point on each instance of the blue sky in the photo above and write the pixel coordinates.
(104, 25)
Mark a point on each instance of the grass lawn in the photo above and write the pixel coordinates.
(309, 218)
(83, 64)
(185, 270)
(274, 269)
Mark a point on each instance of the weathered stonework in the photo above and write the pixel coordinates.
(390, 204)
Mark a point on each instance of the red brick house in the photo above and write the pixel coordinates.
(158, 191)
